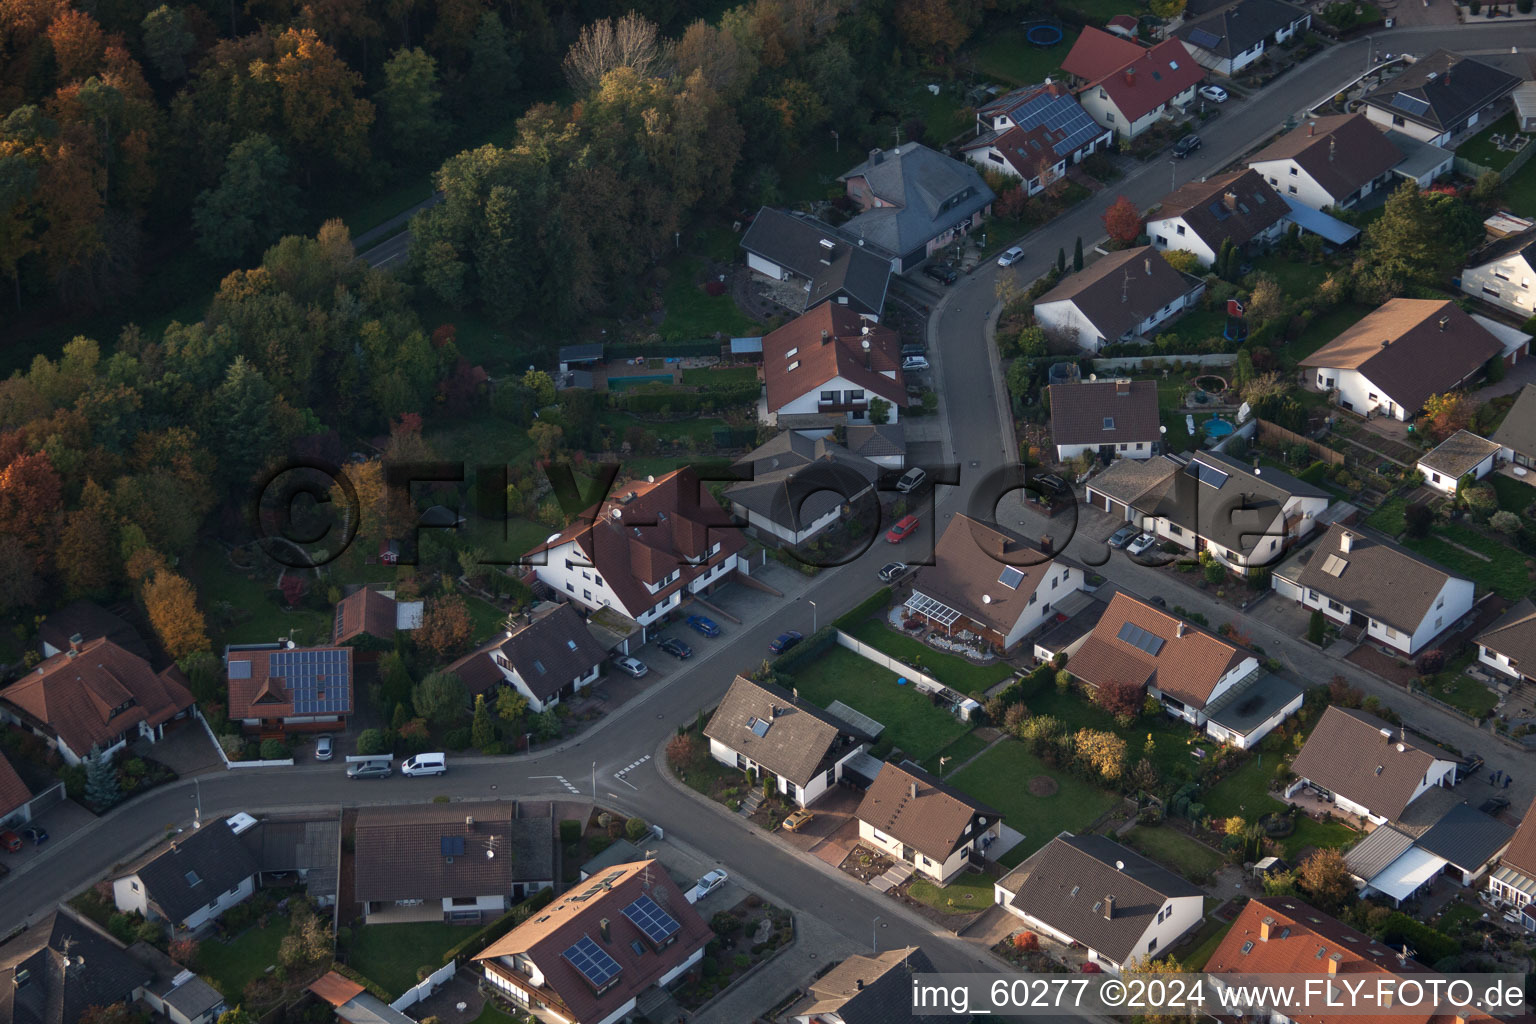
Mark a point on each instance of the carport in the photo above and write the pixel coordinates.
(1404, 876)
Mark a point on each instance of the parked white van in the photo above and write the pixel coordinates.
(424, 764)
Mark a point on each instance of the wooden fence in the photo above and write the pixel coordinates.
(1273, 433)
(1475, 170)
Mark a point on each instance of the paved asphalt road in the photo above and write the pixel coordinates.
(980, 441)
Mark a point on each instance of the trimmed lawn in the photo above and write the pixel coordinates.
(970, 891)
(1245, 793)
(954, 755)
(491, 1015)
(1012, 59)
(1513, 495)
(1172, 848)
(389, 954)
(1322, 330)
(253, 600)
(1197, 959)
(1000, 777)
(489, 620)
(952, 670)
(1294, 277)
(1520, 191)
(693, 313)
(1503, 571)
(911, 721)
(488, 441)
(700, 428)
(1480, 148)
(1390, 518)
(815, 171)
(1464, 692)
(723, 375)
(944, 116)
(234, 965)
(1172, 740)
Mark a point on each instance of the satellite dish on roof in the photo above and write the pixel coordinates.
(1093, 376)
(1119, 865)
(490, 854)
(291, 645)
(986, 598)
(551, 538)
(650, 479)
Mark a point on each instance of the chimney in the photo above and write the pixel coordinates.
(858, 985)
(1130, 75)
(1331, 144)
(1123, 386)
(826, 336)
(1346, 540)
(469, 821)
(1264, 927)
(1183, 628)
(1231, 200)
(75, 641)
(875, 156)
(1386, 999)
(1109, 908)
(1146, 265)
(602, 927)
(912, 789)
(1333, 963)
(1445, 322)
(1311, 128)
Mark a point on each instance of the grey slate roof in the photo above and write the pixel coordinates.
(192, 997)
(1238, 26)
(1377, 578)
(1514, 636)
(796, 480)
(590, 352)
(869, 990)
(36, 987)
(1459, 454)
(620, 851)
(876, 440)
(195, 870)
(1518, 431)
(1105, 411)
(1467, 837)
(1376, 852)
(1521, 243)
(932, 193)
(797, 740)
(551, 651)
(437, 851)
(1065, 882)
(1441, 90)
(793, 241)
(1354, 755)
(1238, 514)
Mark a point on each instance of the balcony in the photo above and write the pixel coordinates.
(857, 408)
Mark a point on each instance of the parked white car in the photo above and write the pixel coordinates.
(1140, 544)
(914, 363)
(706, 885)
(1011, 256)
(1214, 93)
(630, 666)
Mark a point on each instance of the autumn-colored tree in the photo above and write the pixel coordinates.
(936, 26)
(171, 604)
(1182, 260)
(1447, 413)
(30, 496)
(446, 626)
(1119, 698)
(1326, 879)
(510, 705)
(1166, 9)
(293, 589)
(78, 45)
(322, 116)
(1122, 220)
(684, 752)
(607, 45)
(545, 437)
(1266, 301)
(1234, 826)
(1010, 203)
(1026, 942)
(1101, 751)
(183, 951)
(1148, 967)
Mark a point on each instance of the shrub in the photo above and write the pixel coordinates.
(1505, 522)
(1026, 942)
(273, 750)
(635, 828)
(1215, 572)
(570, 832)
(370, 741)
(1417, 519)
(1315, 627)
(1431, 662)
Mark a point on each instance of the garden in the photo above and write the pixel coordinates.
(745, 935)
(958, 673)
(397, 956)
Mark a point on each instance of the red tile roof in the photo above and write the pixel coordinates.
(13, 792)
(366, 611)
(1521, 854)
(828, 342)
(1137, 80)
(643, 534)
(263, 695)
(581, 914)
(1098, 53)
(335, 989)
(1188, 664)
(95, 695)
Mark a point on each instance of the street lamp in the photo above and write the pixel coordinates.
(874, 937)
(1173, 175)
(594, 780)
(197, 812)
(1370, 51)
(813, 616)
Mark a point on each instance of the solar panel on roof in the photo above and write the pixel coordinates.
(318, 680)
(452, 846)
(239, 670)
(657, 924)
(1409, 104)
(594, 964)
(1208, 475)
(1219, 211)
(1140, 638)
(1208, 40)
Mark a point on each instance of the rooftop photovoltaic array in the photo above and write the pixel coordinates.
(240, 669)
(1409, 104)
(594, 964)
(657, 924)
(922, 604)
(452, 846)
(1205, 40)
(317, 680)
(1057, 114)
(1140, 638)
(1209, 475)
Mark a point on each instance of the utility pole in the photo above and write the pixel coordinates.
(594, 780)
(874, 936)
(813, 616)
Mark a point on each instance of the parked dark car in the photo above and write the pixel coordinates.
(674, 647)
(35, 834)
(703, 624)
(942, 273)
(1187, 145)
(784, 641)
(369, 770)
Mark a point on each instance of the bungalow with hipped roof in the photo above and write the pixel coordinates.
(1227, 37)
(1439, 96)
(1363, 766)
(1108, 419)
(1462, 457)
(799, 486)
(867, 990)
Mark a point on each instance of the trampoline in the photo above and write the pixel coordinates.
(1044, 35)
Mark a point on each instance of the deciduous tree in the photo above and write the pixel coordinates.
(441, 698)
(1102, 752)
(171, 604)
(412, 122)
(1326, 880)
(446, 626)
(1122, 220)
(252, 204)
(167, 41)
(607, 45)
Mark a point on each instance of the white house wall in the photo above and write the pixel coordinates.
(1412, 129)
(225, 900)
(1064, 318)
(1447, 484)
(763, 524)
(1498, 662)
(1174, 233)
(1066, 579)
(483, 904)
(1258, 732)
(1289, 178)
(925, 865)
(810, 402)
(1357, 393)
(1123, 450)
(1511, 291)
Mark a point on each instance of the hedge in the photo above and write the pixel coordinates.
(483, 937)
(1314, 473)
(373, 987)
(806, 650)
(1016, 691)
(864, 609)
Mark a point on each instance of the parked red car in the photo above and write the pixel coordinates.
(10, 842)
(902, 530)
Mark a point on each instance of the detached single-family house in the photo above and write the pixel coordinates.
(1461, 456)
(192, 880)
(1120, 297)
(588, 956)
(644, 550)
(18, 804)
(987, 579)
(1467, 840)
(175, 993)
(95, 694)
(826, 267)
(1503, 273)
(367, 621)
(914, 816)
(1127, 87)
(1114, 901)
(1386, 593)
(63, 965)
(547, 660)
(1364, 766)
(1034, 134)
(275, 688)
(1200, 215)
(1396, 357)
(1114, 418)
(89, 621)
(913, 201)
(800, 486)
(1228, 38)
(1244, 516)
(1336, 160)
(1438, 97)
(1178, 663)
(764, 728)
(866, 990)
(1509, 645)
(462, 862)
(1516, 436)
(1514, 880)
(884, 444)
(831, 362)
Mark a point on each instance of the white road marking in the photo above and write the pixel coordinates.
(629, 768)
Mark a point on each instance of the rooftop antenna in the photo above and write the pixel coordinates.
(1125, 286)
(896, 131)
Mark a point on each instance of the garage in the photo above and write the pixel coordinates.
(1115, 508)
(1286, 587)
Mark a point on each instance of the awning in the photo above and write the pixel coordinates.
(1330, 229)
(1403, 876)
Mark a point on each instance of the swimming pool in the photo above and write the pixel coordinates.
(1218, 427)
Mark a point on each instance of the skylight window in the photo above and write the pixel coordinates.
(1011, 577)
(1173, 65)
(1109, 423)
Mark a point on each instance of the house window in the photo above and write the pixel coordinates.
(586, 595)
(829, 396)
(597, 579)
(1272, 181)
(570, 586)
(1176, 531)
(1501, 275)
(1152, 945)
(1293, 172)
(1103, 95)
(1490, 291)
(1292, 189)
(1437, 621)
(1440, 604)
(464, 901)
(994, 157)
(856, 395)
(1054, 581)
(1140, 445)
(1391, 633)
(1334, 605)
(134, 886)
(1397, 122)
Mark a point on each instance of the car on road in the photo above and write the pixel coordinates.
(1140, 544)
(797, 820)
(703, 624)
(1159, 600)
(914, 363)
(10, 842)
(323, 748)
(630, 666)
(425, 764)
(784, 641)
(708, 884)
(1011, 256)
(674, 647)
(902, 530)
(369, 770)
(1214, 93)
(1123, 536)
(1493, 805)
(1187, 145)
(890, 572)
(941, 272)
(35, 835)
(911, 480)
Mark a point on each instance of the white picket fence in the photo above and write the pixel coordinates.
(425, 988)
(288, 761)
